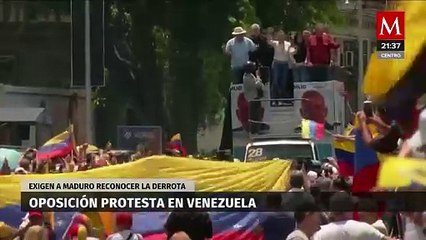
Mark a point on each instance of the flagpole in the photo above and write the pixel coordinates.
(88, 88)
(360, 55)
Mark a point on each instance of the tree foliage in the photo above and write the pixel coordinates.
(165, 59)
(294, 15)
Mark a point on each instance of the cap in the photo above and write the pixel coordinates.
(342, 202)
(20, 170)
(82, 219)
(124, 219)
(35, 214)
(77, 230)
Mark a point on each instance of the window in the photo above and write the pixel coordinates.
(349, 58)
(7, 68)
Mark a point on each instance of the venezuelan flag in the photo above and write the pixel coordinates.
(226, 225)
(176, 143)
(345, 151)
(58, 146)
(211, 176)
(312, 129)
(366, 165)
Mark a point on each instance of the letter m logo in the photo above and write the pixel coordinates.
(390, 25)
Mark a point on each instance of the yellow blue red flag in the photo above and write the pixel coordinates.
(345, 154)
(58, 146)
(312, 129)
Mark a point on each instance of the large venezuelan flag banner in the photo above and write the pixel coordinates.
(211, 176)
(58, 146)
(345, 153)
(402, 172)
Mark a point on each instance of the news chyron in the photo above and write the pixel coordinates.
(390, 34)
(129, 195)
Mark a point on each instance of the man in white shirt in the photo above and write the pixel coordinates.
(124, 222)
(415, 147)
(343, 228)
(239, 48)
(280, 67)
(307, 217)
(368, 212)
(414, 223)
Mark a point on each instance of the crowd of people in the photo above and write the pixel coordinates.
(282, 59)
(84, 157)
(179, 226)
(305, 217)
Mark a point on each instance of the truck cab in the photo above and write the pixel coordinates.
(287, 149)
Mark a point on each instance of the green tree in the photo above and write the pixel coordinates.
(295, 15)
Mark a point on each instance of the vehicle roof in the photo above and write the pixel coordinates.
(282, 141)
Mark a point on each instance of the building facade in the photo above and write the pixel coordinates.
(348, 53)
(36, 101)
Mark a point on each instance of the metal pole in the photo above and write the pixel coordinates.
(360, 55)
(88, 88)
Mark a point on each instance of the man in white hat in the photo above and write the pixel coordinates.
(239, 48)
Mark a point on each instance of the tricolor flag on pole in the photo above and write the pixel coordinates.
(58, 146)
(312, 129)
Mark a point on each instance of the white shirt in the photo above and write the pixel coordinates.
(418, 140)
(25, 221)
(413, 231)
(239, 51)
(415, 143)
(348, 230)
(380, 225)
(283, 52)
(297, 235)
(250, 86)
(124, 235)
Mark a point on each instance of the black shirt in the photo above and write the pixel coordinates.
(300, 55)
(278, 225)
(264, 54)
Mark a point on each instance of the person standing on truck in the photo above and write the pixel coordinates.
(253, 90)
(239, 48)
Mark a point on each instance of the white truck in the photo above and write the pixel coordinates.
(296, 149)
